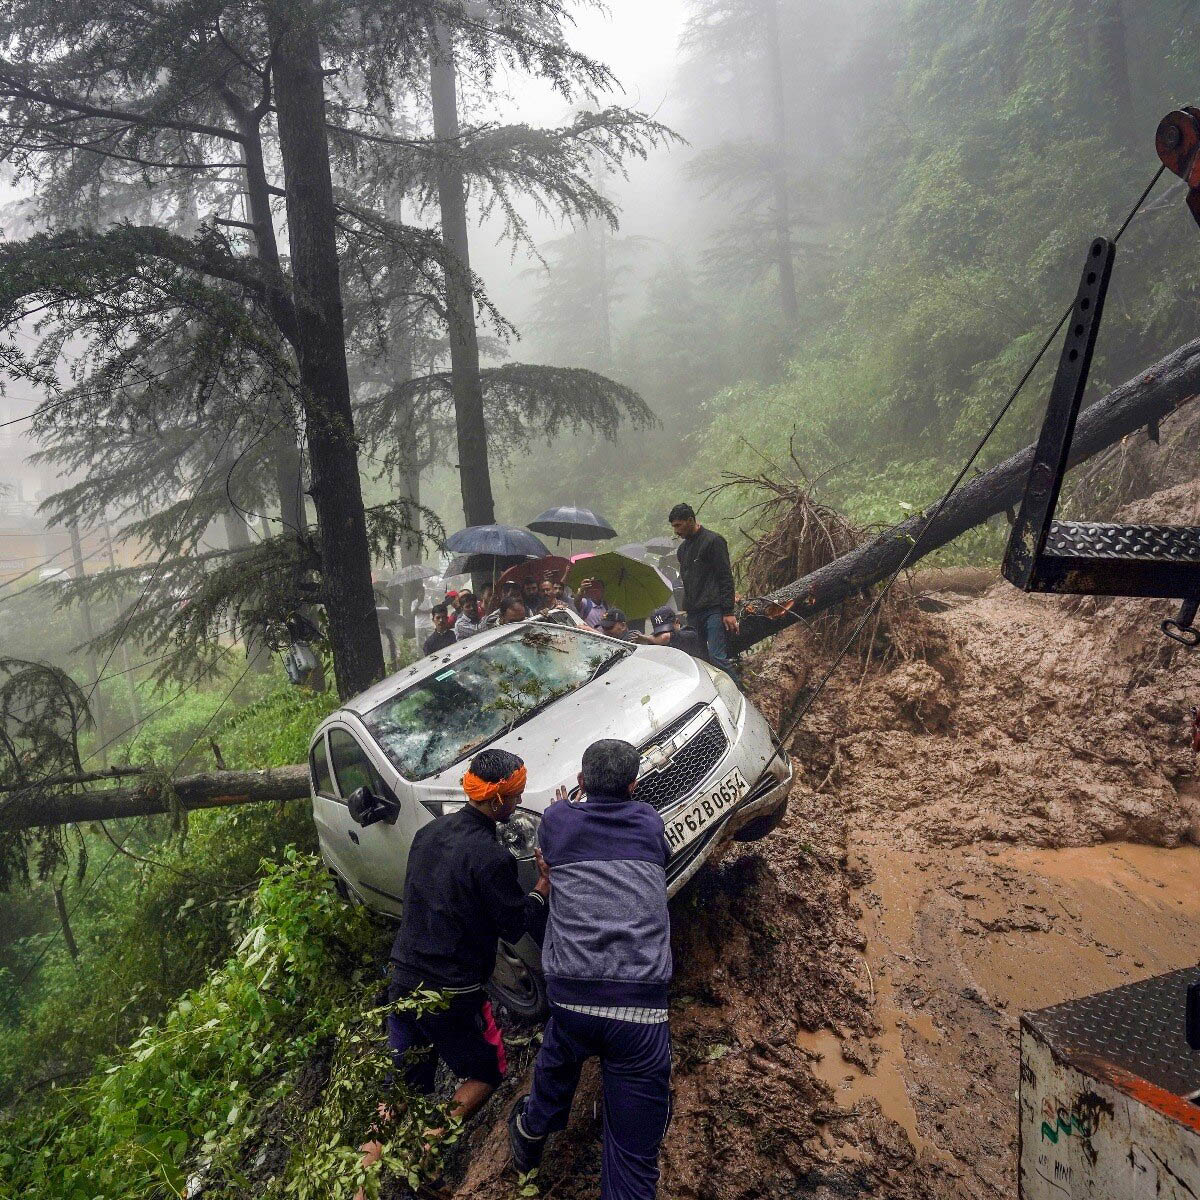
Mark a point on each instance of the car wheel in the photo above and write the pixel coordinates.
(752, 831)
(518, 985)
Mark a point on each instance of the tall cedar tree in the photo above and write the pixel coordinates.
(197, 85)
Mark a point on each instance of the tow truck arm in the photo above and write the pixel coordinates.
(1098, 558)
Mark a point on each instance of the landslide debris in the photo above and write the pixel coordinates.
(1000, 818)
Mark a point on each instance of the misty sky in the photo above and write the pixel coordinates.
(639, 41)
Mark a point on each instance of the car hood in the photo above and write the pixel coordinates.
(632, 701)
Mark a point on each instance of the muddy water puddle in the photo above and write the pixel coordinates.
(961, 941)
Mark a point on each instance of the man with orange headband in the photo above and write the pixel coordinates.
(461, 894)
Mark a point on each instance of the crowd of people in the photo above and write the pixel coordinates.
(601, 855)
(708, 599)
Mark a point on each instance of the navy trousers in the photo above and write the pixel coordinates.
(635, 1063)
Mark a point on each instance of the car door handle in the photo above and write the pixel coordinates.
(353, 836)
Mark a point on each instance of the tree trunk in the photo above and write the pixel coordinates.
(214, 789)
(781, 208)
(239, 537)
(1112, 67)
(135, 708)
(405, 423)
(95, 697)
(336, 490)
(409, 488)
(1151, 396)
(64, 922)
(289, 482)
(474, 476)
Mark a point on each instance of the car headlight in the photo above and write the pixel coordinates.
(519, 833)
(728, 691)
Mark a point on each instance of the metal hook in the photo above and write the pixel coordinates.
(1182, 629)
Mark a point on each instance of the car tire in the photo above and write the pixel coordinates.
(752, 831)
(518, 984)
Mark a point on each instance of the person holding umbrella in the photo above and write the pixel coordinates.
(708, 593)
(590, 602)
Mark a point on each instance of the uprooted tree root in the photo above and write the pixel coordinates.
(791, 533)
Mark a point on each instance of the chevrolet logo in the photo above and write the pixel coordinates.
(657, 758)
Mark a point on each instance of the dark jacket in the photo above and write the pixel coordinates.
(460, 894)
(608, 939)
(688, 640)
(706, 573)
(438, 641)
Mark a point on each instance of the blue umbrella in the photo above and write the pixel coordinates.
(568, 521)
(502, 541)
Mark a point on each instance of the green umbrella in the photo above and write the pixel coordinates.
(636, 587)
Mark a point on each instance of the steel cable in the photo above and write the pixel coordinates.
(781, 739)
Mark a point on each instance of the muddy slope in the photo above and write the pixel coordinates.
(1006, 821)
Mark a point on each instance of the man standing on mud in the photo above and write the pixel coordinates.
(707, 578)
(607, 960)
(460, 894)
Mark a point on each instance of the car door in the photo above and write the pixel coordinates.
(377, 854)
(329, 812)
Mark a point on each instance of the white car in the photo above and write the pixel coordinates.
(393, 758)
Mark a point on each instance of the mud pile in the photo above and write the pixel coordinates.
(1007, 820)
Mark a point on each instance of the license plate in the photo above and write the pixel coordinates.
(688, 824)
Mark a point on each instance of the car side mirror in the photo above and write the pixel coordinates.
(366, 808)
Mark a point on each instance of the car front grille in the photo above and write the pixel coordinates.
(687, 769)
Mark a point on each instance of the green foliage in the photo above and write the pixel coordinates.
(210, 1089)
(976, 150)
(150, 927)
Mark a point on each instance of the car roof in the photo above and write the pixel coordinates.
(432, 663)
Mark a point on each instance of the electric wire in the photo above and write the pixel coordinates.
(40, 566)
(49, 780)
(789, 729)
(119, 847)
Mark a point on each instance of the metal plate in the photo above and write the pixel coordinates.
(1153, 543)
(1138, 1027)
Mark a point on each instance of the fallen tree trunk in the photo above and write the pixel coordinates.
(1151, 396)
(215, 789)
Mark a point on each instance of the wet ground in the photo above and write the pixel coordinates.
(1004, 822)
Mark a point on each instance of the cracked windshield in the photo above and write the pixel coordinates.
(431, 726)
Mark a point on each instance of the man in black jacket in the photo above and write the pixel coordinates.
(442, 636)
(707, 584)
(461, 894)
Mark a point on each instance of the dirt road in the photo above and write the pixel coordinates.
(1007, 820)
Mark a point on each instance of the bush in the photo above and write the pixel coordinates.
(214, 1082)
(150, 929)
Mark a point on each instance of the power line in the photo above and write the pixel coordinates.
(908, 557)
(39, 566)
(118, 848)
(43, 408)
(49, 780)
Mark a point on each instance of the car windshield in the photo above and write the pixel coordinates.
(475, 700)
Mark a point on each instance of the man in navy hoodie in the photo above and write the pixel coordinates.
(607, 960)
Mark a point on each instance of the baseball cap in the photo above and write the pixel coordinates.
(661, 619)
(614, 616)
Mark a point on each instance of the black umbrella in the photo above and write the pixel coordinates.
(486, 564)
(661, 545)
(498, 540)
(570, 522)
